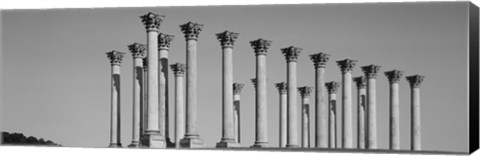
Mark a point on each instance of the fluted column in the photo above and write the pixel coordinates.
(191, 32)
(237, 89)
(227, 40)
(346, 67)
(361, 101)
(332, 88)
(260, 47)
(321, 105)
(305, 95)
(282, 91)
(291, 55)
(415, 81)
(138, 52)
(153, 138)
(179, 70)
(394, 78)
(163, 49)
(115, 58)
(371, 117)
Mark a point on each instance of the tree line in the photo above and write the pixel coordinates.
(20, 139)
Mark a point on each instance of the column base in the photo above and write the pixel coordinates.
(170, 144)
(292, 146)
(191, 141)
(227, 143)
(259, 145)
(153, 140)
(134, 144)
(115, 145)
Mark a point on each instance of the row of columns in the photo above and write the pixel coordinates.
(150, 96)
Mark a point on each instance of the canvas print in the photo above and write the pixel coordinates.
(366, 77)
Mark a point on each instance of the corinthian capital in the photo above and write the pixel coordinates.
(360, 81)
(394, 76)
(137, 49)
(332, 87)
(115, 57)
(178, 69)
(237, 88)
(415, 80)
(152, 21)
(282, 87)
(260, 46)
(164, 41)
(305, 91)
(291, 53)
(346, 65)
(227, 38)
(320, 59)
(191, 30)
(371, 71)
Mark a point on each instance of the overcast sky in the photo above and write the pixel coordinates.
(57, 76)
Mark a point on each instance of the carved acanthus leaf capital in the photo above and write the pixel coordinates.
(152, 21)
(332, 87)
(371, 71)
(282, 87)
(178, 69)
(305, 91)
(360, 81)
(260, 46)
(394, 75)
(227, 38)
(320, 59)
(415, 80)
(138, 50)
(237, 88)
(115, 57)
(191, 30)
(164, 41)
(346, 65)
(291, 53)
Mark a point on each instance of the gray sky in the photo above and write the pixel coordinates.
(57, 76)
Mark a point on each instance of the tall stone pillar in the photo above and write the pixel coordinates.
(144, 106)
(291, 54)
(163, 49)
(227, 40)
(179, 70)
(260, 47)
(394, 78)
(361, 101)
(138, 52)
(305, 94)
(153, 138)
(415, 81)
(115, 60)
(191, 139)
(282, 91)
(332, 88)
(346, 67)
(371, 122)
(321, 105)
(237, 89)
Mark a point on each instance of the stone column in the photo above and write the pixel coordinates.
(227, 40)
(291, 54)
(237, 89)
(163, 49)
(361, 99)
(191, 32)
(371, 116)
(260, 47)
(138, 52)
(305, 94)
(332, 88)
(282, 90)
(394, 78)
(179, 70)
(321, 106)
(415, 81)
(153, 138)
(144, 110)
(115, 60)
(346, 67)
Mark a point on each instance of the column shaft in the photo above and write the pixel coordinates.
(347, 130)
(332, 121)
(305, 122)
(153, 106)
(236, 119)
(179, 110)
(394, 117)
(191, 74)
(283, 119)
(415, 127)
(137, 80)
(371, 114)
(321, 109)
(145, 101)
(361, 99)
(162, 92)
(115, 108)
(292, 130)
(261, 103)
(227, 96)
